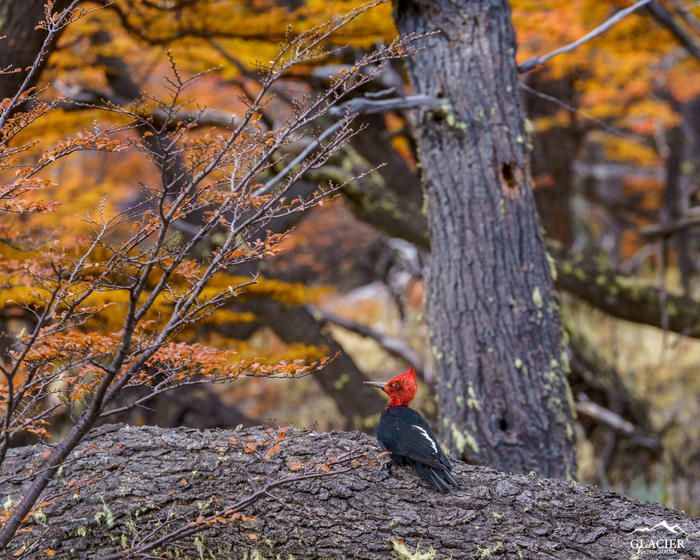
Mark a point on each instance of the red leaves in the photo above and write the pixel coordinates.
(72, 344)
(195, 359)
(91, 141)
(272, 451)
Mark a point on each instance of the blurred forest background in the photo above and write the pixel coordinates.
(614, 135)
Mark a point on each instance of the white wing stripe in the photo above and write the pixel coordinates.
(425, 434)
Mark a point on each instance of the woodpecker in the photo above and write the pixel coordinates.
(407, 436)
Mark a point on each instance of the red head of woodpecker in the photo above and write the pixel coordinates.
(401, 389)
(407, 436)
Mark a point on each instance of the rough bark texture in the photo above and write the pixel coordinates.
(20, 41)
(492, 308)
(124, 483)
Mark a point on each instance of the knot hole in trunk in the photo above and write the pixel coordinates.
(511, 176)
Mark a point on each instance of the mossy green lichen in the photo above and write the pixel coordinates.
(39, 517)
(473, 402)
(341, 382)
(552, 266)
(488, 552)
(199, 546)
(401, 551)
(105, 515)
(537, 297)
(463, 439)
(451, 118)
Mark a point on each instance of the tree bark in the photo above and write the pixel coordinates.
(492, 308)
(126, 483)
(20, 40)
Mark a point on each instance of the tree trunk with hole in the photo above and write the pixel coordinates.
(125, 487)
(492, 309)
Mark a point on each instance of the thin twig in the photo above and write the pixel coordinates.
(602, 124)
(602, 28)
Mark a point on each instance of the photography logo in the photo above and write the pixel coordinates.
(660, 539)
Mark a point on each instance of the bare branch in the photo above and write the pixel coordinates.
(393, 346)
(602, 28)
(690, 220)
(666, 19)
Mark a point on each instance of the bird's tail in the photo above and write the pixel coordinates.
(440, 479)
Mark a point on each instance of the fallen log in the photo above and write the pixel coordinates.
(125, 489)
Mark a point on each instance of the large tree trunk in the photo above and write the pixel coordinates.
(20, 40)
(492, 308)
(126, 486)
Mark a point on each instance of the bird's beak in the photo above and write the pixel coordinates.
(379, 384)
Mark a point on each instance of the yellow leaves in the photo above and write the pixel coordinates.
(647, 115)
(105, 309)
(614, 71)
(561, 119)
(285, 292)
(374, 25)
(228, 317)
(625, 149)
(682, 87)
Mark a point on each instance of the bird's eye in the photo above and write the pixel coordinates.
(394, 385)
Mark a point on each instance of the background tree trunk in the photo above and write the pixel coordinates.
(492, 308)
(340, 379)
(123, 484)
(20, 40)
(554, 151)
